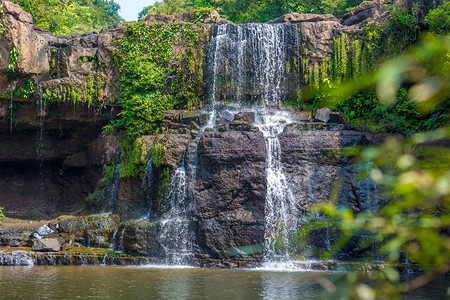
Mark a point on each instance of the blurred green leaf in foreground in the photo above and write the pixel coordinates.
(414, 174)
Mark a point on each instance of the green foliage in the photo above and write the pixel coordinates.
(93, 199)
(14, 108)
(439, 19)
(152, 78)
(355, 58)
(108, 171)
(145, 11)
(168, 7)
(24, 89)
(134, 153)
(164, 181)
(247, 11)
(158, 154)
(67, 17)
(366, 110)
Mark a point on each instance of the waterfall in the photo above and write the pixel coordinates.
(176, 234)
(251, 65)
(40, 146)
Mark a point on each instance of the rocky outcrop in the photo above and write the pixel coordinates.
(90, 231)
(230, 185)
(59, 143)
(367, 11)
(18, 233)
(423, 7)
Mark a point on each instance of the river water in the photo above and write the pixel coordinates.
(99, 282)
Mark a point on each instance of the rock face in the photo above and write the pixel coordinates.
(230, 187)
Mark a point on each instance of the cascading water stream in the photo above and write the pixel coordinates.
(40, 145)
(280, 206)
(176, 234)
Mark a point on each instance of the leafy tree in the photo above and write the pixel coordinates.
(169, 7)
(145, 11)
(246, 11)
(439, 19)
(67, 17)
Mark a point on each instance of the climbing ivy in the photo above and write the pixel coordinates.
(89, 93)
(160, 67)
(158, 154)
(134, 154)
(24, 89)
(1, 214)
(13, 56)
(3, 24)
(164, 181)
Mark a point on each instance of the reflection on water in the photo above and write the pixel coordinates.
(47, 282)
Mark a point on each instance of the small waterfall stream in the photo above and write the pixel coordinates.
(175, 228)
(280, 206)
(111, 191)
(40, 142)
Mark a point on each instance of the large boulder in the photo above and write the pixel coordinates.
(139, 238)
(31, 41)
(230, 185)
(366, 12)
(295, 18)
(99, 229)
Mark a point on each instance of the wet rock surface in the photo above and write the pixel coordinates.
(313, 162)
(230, 185)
